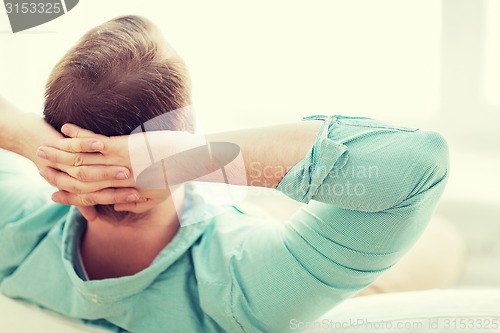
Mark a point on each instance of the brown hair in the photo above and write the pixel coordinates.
(119, 75)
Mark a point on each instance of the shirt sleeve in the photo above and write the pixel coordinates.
(26, 213)
(370, 189)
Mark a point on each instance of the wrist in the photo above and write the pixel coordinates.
(27, 135)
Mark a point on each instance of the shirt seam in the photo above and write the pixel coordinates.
(231, 293)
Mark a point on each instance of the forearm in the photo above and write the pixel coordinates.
(254, 157)
(9, 126)
(269, 152)
(351, 162)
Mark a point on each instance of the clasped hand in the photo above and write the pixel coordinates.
(89, 169)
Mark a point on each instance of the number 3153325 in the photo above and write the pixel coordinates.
(33, 8)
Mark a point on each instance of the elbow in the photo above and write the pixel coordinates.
(435, 156)
(431, 163)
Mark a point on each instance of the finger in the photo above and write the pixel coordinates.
(107, 196)
(75, 131)
(159, 194)
(80, 145)
(72, 159)
(65, 182)
(88, 212)
(136, 207)
(98, 173)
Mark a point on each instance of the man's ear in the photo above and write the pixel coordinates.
(88, 212)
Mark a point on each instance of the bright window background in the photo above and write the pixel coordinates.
(264, 62)
(492, 53)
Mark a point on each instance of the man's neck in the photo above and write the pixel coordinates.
(111, 250)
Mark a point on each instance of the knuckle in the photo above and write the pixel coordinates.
(106, 174)
(57, 159)
(78, 160)
(65, 200)
(117, 198)
(81, 175)
(62, 198)
(87, 200)
(68, 147)
(51, 179)
(75, 189)
(55, 180)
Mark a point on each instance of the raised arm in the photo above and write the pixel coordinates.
(20, 197)
(264, 161)
(370, 189)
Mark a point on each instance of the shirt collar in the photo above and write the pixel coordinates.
(116, 289)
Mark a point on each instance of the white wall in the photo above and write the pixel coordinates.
(264, 61)
(426, 63)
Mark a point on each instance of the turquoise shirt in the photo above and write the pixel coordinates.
(370, 189)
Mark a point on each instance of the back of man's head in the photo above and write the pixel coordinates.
(119, 75)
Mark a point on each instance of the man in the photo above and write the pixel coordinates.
(229, 272)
